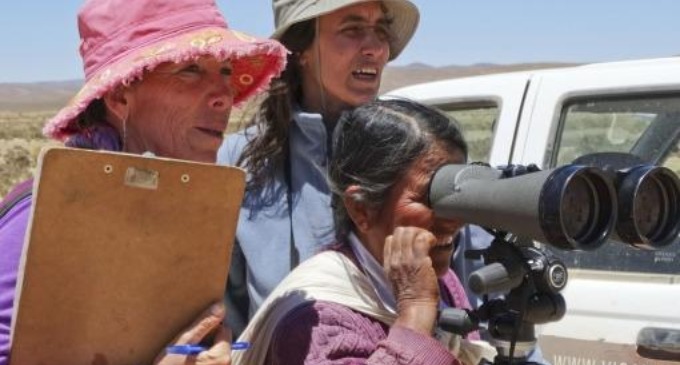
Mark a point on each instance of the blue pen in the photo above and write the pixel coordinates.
(196, 349)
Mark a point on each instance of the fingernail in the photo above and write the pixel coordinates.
(217, 309)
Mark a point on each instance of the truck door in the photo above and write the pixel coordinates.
(622, 302)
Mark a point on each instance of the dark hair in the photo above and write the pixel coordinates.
(376, 143)
(273, 118)
(95, 113)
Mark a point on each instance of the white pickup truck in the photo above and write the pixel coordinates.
(623, 304)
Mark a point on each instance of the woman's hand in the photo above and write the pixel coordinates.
(408, 266)
(210, 321)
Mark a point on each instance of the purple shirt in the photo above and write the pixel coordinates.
(326, 333)
(13, 225)
(12, 232)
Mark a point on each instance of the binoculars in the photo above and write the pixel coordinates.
(571, 207)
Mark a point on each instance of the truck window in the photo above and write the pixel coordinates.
(647, 126)
(477, 120)
(673, 159)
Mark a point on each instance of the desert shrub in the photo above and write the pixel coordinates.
(18, 159)
(28, 130)
(21, 140)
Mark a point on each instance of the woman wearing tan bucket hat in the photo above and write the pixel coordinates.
(161, 76)
(338, 51)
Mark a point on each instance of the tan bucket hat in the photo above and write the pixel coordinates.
(404, 13)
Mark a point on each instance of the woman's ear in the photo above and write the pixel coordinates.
(118, 103)
(357, 209)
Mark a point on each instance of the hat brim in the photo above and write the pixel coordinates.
(254, 63)
(405, 16)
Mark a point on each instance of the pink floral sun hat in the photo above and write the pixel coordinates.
(121, 39)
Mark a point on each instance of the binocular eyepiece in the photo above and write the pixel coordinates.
(572, 207)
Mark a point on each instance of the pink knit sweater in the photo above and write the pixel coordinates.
(330, 333)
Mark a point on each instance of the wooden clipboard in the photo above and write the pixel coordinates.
(122, 253)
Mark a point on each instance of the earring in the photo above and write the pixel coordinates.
(125, 119)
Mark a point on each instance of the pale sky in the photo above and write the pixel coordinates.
(39, 38)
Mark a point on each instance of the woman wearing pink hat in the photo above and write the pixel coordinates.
(161, 76)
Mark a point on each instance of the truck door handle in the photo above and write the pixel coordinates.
(659, 343)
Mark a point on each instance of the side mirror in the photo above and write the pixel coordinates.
(659, 343)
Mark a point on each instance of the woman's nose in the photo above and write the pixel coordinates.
(221, 97)
(375, 44)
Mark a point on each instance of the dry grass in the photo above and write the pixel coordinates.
(20, 142)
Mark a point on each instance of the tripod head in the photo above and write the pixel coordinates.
(530, 278)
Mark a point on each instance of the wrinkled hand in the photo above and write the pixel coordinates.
(408, 266)
(210, 321)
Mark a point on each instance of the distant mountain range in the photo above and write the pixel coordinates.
(53, 95)
(37, 96)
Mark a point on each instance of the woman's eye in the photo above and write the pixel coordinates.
(191, 69)
(226, 71)
(383, 33)
(353, 31)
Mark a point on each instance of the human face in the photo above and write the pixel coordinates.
(406, 206)
(348, 55)
(180, 110)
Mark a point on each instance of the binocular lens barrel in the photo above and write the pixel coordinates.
(649, 206)
(577, 208)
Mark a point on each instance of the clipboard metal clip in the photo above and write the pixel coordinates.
(141, 178)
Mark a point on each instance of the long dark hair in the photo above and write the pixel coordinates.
(267, 145)
(376, 143)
